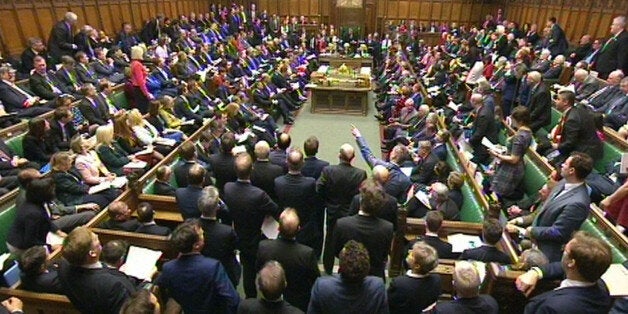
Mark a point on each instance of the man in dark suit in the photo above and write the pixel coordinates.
(337, 185)
(220, 238)
(557, 41)
(483, 126)
(120, 218)
(94, 112)
(248, 206)
(423, 172)
(614, 53)
(61, 40)
(586, 84)
(389, 208)
(466, 282)
(278, 155)
(11, 164)
(222, 163)
(603, 96)
(162, 184)
(15, 99)
(539, 102)
(299, 261)
(616, 111)
(35, 48)
(90, 286)
(584, 48)
(271, 282)
(312, 166)
(36, 275)
(146, 218)
(187, 197)
(62, 128)
(398, 182)
(487, 253)
(187, 153)
(439, 149)
(153, 29)
(433, 222)
(299, 192)
(565, 209)
(375, 233)
(586, 258)
(265, 172)
(43, 83)
(575, 130)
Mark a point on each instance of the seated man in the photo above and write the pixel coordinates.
(36, 275)
(491, 233)
(120, 218)
(90, 286)
(162, 184)
(17, 100)
(585, 259)
(468, 299)
(271, 282)
(146, 218)
(44, 83)
(553, 73)
(433, 222)
(198, 283)
(416, 290)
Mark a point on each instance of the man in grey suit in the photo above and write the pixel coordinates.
(563, 212)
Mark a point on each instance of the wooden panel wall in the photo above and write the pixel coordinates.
(576, 17)
(21, 19)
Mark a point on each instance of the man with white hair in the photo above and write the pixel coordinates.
(614, 53)
(553, 73)
(585, 83)
(483, 126)
(468, 299)
(61, 40)
(607, 93)
(539, 102)
(543, 63)
(442, 202)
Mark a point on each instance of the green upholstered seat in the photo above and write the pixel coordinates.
(612, 154)
(16, 144)
(6, 219)
(618, 255)
(471, 210)
(534, 177)
(119, 99)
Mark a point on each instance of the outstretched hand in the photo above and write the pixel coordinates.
(354, 130)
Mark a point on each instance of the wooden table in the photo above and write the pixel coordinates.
(335, 61)
(326, 99)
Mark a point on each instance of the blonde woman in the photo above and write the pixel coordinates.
(112, 155)
(145, 132)
(171, 121)
(139, 73)
(87, 162)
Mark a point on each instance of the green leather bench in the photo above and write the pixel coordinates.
(618, 255)
(471, 210)
(534, 178)
(611, 155)
(15, 143)
(6, 219)
(149, 188)
(119, 99)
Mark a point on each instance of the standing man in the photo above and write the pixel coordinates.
(614, 53)
(198, 283)
(539, 102)
(312, 166)
(299, 261)
(61, 40)
(483, 126)
(337, 185)
(557, 41)
(248, 205)
(565, 209)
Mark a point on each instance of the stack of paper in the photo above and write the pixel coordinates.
(616, 279)
(165, 141)
(270, 227)
(135, 165)
(116, 183)
(140, 262)
(460, 242)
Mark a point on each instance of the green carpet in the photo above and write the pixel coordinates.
(333, 130)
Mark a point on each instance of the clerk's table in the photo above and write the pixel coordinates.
(343, 90)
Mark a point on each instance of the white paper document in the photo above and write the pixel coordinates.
(270, 227)
(616, 279)
(135, 165)
(407, 171)
(460, 242)
(486, 142)
(140, 262)
(423, 198)
(623, 168)
(117, 183)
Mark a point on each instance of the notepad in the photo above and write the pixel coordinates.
(616, 279)
(140, 262)
(135, 165)
(460, 242)
(270, 227)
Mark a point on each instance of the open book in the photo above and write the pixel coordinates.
(140, 262)
(270, 227)
(165, 141)
(460, 242)
(135, 165)
(117, 183)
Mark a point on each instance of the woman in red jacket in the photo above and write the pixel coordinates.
(139, 92)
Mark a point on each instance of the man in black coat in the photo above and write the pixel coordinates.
(62, 128)
(423, 171)
(248, 206)
(43, 83)
(187, 197)
(35, 48)
(265, 172)
(61, 40)
(433, 222)
(557, 41)
(312, 166)
(162, 184)
(614, 53)
(279, 155)
(299, 192)
(539, 102)
(586, 258)
(146, 218)
(483, 126)
(222, 163)
(337, 185)
(271, 282)
(389, 208)
(17, 100)
(487, 253)
(120, 218)
(299, 261)
(220, 238)
(153, 29)
(94, 112)
(376, 234)
(187, 152)
(10, 163)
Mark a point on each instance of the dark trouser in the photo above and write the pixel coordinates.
(32, 111)
(102, 198)
(140, 101)
(248, 273)
(67, 223)
(328, 252)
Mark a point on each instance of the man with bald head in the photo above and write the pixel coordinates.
(271, 282)
(299, 261)
(585, 83)
(468, 299)
(299, 192)
(61, 40)
(603, 96)
(483, 126)
(248, 205)
(539, 102)
(614, 53)
(279, 154)
(264, 171)
(389, 209)
(336, 186)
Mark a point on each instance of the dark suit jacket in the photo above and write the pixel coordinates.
(558, 42)
(483, 126)
(6, 168)
(540, 105)
(278, 157)
(41, 87)
(95, 290)
(411, 295)
(248, 206)
(130, 225)
(312, 167)
(187, 199)
(614, 57)
(220, 243)
(300, 264)
(263, 176)
(30, 227)
(261, 306)
(163, 188)
(113, 157)
(375, 233)
(387, 212)
(423, 172)
(483, 303)
(331, 294)
(486, 254)
(440, 151)
(578, 134)
(60, 41)
(94, 112)
(587, 88)
(153, 229)
(11, 99)
(337, 185)
(559, 218)
(181, 171)
(69, 187)
(37, 150)
(56, 134)
(223, 168)
(86, 75)
(47, 282)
